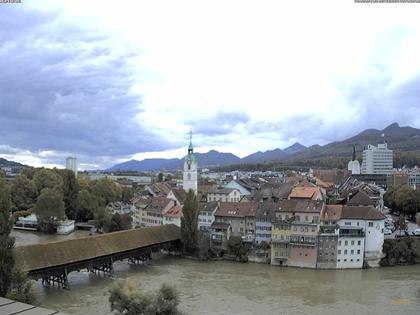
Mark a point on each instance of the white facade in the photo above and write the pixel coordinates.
(65, 227)
(224, 195)
(206, 219)
(171, 220)
(373, 240)
(377, 160)
(190, 180)
(71, 164)
(354, 167)
(350, 251)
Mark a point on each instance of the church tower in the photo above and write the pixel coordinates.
(190, 169)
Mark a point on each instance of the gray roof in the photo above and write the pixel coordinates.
(9, 307)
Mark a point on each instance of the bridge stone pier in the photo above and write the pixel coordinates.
(52, 262)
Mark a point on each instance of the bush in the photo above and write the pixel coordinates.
(126, 299)
(401, 251)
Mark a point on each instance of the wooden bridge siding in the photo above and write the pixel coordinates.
(50, 255)
(90, 263)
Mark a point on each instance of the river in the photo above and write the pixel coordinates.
(234, 288)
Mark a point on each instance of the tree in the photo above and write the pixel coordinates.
(23, 193)
(102, 218)
(189, 223)
(45, 178)
(400, 224)
(237, 247)
(125, 298)
(6, 242)
(49, 209)
(87, 204)
(21, 288)
(127, 194)
(119, 222)
(70, 191)
(106, 190)
(160, 177)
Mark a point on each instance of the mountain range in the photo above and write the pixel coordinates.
(398, 139)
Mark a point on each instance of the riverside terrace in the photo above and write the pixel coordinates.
(52, 262)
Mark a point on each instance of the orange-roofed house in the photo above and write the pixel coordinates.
(306, 193)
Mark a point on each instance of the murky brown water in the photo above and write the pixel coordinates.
(234, 288)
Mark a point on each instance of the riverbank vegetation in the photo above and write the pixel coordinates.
(14, 283)
(127, 298)
(189, 225)
(403, 199)
(401, 251)
(54, 195)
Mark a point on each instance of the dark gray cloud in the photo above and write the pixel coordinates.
(220, 124)
(67, 89)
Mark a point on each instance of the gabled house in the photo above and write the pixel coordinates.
(177, 195)
(152, 215)
(206, 212)
(223, 195)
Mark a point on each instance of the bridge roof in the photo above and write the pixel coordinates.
(40, 256)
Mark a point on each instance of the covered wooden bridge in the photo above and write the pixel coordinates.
(52, 262)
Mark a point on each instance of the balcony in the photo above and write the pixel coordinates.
(302, 240)
(351, 232)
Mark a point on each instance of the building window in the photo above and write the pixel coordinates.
(347, 223)
(352, 242)
(346, 243)
(339, 243)
(359, 242)
(339, 252)
(358, 251)
(370, 224)
(352, 252)
(345, 252)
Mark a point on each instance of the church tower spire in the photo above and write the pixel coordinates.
(190, 175)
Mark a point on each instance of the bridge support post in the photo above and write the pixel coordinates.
(58, 279)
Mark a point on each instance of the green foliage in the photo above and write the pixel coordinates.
(403, 199)
(264, 245)
(87, 205)
(401, 251)
(160, 178)
(119, 222)
(400, 224)
(49, 209)
(6, 242)
(127, 194)
(189, 224)
(21, 288)
(204, 249)
(102, 218)
(45, 178)
(126, 298)
(70, 191)
(106, 190)
(406, 159)
(236, 247)
(24, 193)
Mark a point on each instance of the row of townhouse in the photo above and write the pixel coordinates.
(327, 236)
(156, 210)
(303, 233)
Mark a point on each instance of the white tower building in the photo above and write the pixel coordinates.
(71, 164)
(377, 160)
(190, 169)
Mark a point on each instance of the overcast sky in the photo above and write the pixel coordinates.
(108, 81)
